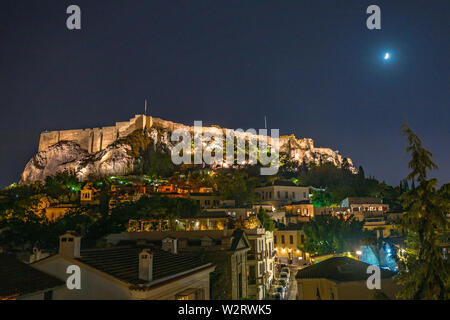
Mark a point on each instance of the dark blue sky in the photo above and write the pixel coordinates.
(311, 66)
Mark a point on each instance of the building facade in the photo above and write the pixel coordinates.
(226, 248)
(288, 243)
(260, 262)
(127, 272)
(281, 193)
(340, 278)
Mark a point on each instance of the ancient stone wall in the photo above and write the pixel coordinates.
(97, 139)
(93, 140)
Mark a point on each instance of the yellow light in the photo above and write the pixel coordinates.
(283, 250)
(359, 252)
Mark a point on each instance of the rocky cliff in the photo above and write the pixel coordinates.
(126, 154)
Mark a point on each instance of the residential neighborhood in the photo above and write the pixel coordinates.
(224, 159)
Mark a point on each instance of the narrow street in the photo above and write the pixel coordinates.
(292, 289)
(291, 293)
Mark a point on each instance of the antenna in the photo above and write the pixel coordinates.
(145, 108)
(265, 122)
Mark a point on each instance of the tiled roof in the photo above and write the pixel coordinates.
(292, 226)
(213, 214)
(238, 234)
(364, 200)
(340, 269)
(286, 183)
(18, 278)
(123, 262)
(301, 202)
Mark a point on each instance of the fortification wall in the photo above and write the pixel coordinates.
(95, 139)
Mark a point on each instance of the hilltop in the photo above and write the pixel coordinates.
(124, 149)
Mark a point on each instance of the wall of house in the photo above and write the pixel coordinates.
(352, 290)
(170, 290)
(93, 285)
(288, 250)
(269, 194)
(239, 269)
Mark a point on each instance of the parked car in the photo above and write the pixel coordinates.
(286, 270)
(284, 276)
(280, 290)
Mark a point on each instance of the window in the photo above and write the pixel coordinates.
(275, 239)
(251, 275)
(304, 195)
(286, 195)
(270, 195)
(278, 195)
(293, 195)
(282, 239)
(302, 238)
(291, 239)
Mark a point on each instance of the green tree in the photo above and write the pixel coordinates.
(424, 274)
(238, 186)
(331, 234)
(265, 220)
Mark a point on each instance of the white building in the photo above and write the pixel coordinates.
(280, 193)
(128, 272)
(260, 261)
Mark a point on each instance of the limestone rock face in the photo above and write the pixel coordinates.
(69, 156)
(125, 155)
(303, 151)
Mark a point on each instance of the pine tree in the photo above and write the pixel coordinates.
(406, 185)
(361, 173)
(424, 272)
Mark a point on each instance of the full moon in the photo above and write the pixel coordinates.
(387, 56)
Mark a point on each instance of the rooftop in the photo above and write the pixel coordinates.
(340, 269)
(364, 200)
(300, 202)
(18, 278)
(123, 262)
(212, 214)
(286, 183)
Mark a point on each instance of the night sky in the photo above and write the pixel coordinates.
(311, 66)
